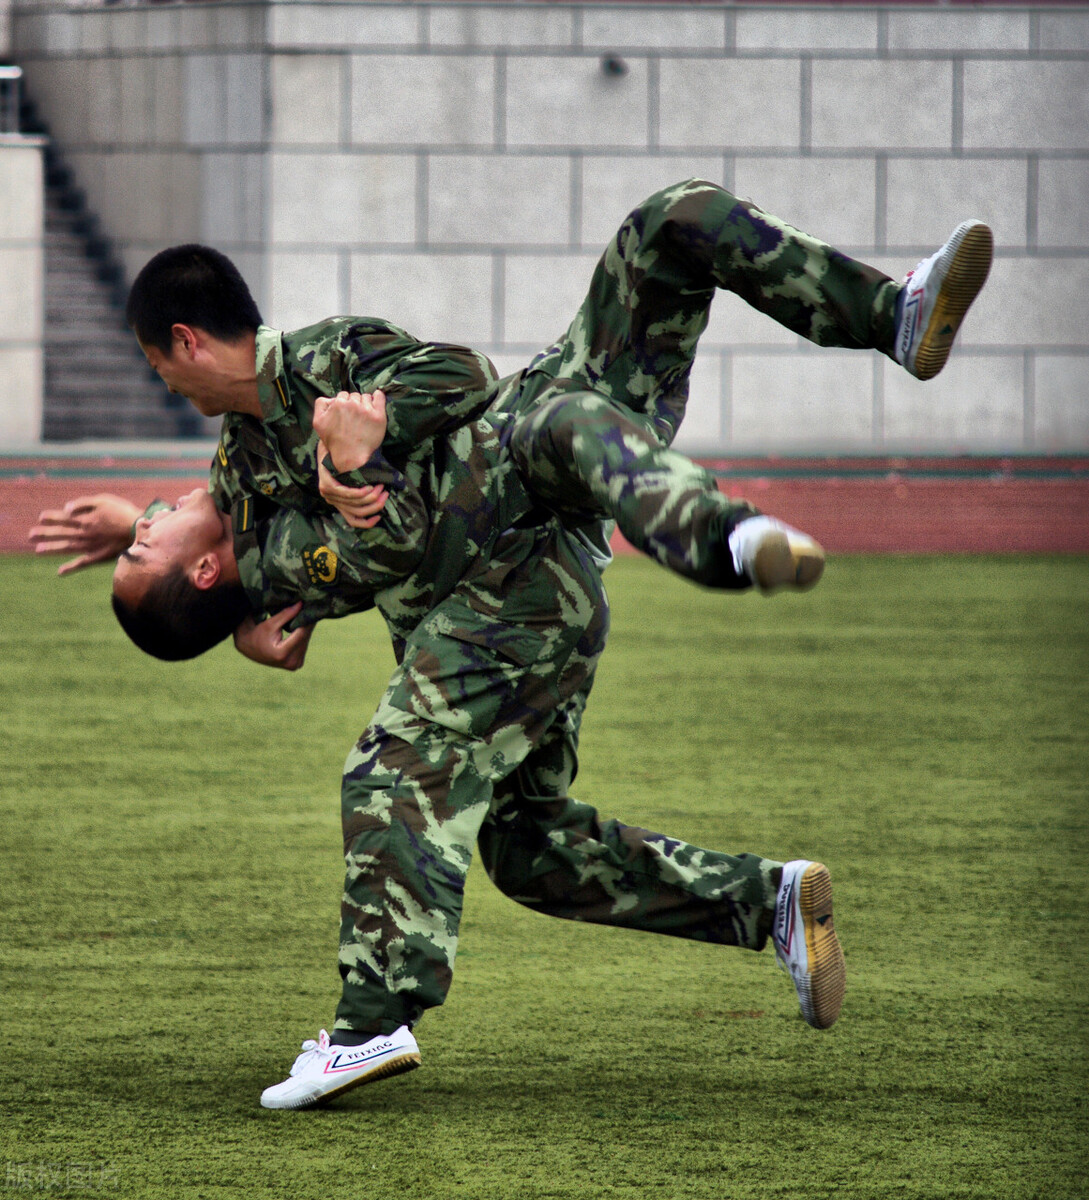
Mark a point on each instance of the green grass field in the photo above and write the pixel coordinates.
(171, 875)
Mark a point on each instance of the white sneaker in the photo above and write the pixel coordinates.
(937, 295)
(805, 940)
(772, 554)
(323, 1070)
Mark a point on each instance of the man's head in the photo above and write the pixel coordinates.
(196, 320)
(176, 590)
(190, 285)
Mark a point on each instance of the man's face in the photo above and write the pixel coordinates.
(176, 537)
(188, 375)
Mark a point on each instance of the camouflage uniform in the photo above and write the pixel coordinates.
(603, 401)
(432, 389)
(496, 610)
(634, 338)
(476, 737)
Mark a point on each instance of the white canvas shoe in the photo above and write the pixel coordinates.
(773, 554)
(937, 295)
(805, 941)
(324, 1070)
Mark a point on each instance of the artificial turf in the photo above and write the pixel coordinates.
(171, 876)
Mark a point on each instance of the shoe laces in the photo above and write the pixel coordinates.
(310, 1048)
(923, 262)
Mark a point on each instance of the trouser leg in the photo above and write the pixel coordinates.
(412, 805)
(477, 689)
(635, 336)
(556, 856)
(586, 455)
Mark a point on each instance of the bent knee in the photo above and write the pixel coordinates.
(548, 432)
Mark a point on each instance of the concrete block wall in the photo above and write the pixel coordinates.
(457, 167)
(161, 110)
(22, 297)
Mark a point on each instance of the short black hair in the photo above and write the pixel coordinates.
(176, 620)
(190, 285)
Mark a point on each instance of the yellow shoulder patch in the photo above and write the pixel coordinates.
(243, 515)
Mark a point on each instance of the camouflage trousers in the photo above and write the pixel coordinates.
(596, 412)
(634, 338)
(475, 740)
(585, 456)
(555, 855)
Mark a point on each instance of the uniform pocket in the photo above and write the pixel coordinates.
(469, 674)
(515, 643)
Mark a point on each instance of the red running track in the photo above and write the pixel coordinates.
(853, 506)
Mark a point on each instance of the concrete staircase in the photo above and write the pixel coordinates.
(97, 383)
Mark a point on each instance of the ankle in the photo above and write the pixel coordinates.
(352, 1037)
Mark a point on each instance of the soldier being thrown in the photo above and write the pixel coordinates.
(585, 426)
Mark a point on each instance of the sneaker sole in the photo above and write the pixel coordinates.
(396, 1066)
(970, 248)
(827, 969)
(779, 564)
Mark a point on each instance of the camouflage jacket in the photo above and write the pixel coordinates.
(430, 388)
(454, 492)
(462, 489)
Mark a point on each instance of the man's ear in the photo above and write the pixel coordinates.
(183, 339)
(207, 571)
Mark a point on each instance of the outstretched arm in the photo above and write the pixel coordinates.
(94, 528)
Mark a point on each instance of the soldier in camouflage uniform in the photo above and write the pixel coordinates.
(608, 397)
(475, 738)
(605, 400)
(596, 411)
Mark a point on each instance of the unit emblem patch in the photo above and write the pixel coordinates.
(321, 565)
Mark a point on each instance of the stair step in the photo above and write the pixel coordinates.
(122, 390)
(94, 319)
(97, 384)
(101, 373)
(78, 287)
(86, 339)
